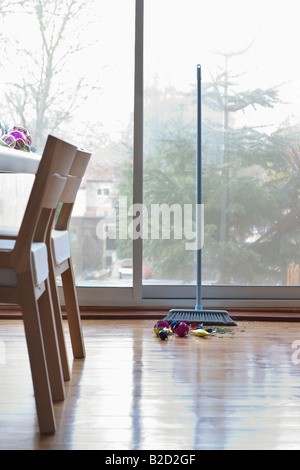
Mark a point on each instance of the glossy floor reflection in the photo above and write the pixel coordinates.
(240, 390)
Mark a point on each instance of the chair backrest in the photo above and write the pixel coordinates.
(80, 163)
(50, 179)
(69, 193)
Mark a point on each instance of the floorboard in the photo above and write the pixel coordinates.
(236, 390)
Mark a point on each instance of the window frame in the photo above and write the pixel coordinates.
(140, 295)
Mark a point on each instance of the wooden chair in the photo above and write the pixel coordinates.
(24, 271)
(58, 242)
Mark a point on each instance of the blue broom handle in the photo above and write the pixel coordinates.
(199, 191)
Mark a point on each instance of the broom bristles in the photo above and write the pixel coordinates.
(205, 317)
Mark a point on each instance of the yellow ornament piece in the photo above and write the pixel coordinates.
(200, 332)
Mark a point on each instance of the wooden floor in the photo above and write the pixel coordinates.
(239, 390)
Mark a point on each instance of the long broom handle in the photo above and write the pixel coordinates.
(199, 191)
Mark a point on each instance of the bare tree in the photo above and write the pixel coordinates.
(44, 97)
(7, 6)
(4, 5)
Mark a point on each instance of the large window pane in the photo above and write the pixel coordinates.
(72, 76)
(250, 130)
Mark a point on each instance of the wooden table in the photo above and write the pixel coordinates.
(17, 161)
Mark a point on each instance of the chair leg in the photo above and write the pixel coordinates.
(59, 326)
(36, 352)
(51, 345)
(73, 313)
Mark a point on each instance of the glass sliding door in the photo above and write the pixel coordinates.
(250, 136)
(169, 144)
(103, 253)
(73, 76)
(118, 77)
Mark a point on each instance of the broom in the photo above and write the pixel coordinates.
(199, 315)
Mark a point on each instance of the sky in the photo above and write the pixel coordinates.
(179, 34)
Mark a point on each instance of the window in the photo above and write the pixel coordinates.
(73, 77)
(250, 133)
(125, 88)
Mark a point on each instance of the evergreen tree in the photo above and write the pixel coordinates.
(250, 185)
(245, 192)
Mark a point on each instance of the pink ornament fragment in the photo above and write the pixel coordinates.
(9, 140)
(20, 132)
(24, 132)
(181, 329)
(21, 136)
(20, 139)
(162, 324)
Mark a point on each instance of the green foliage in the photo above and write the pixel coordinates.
(250, 185)
(169, 178)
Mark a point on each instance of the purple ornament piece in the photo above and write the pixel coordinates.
(20, 144)
(9, 140)
(18, 135)
(25, 133)
(181, 329)
(162, 324)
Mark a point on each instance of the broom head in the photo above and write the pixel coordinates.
(205, 317)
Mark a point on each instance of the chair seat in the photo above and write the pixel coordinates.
(60, 245)
(8, 276)
(8, 232)
(59, 238)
